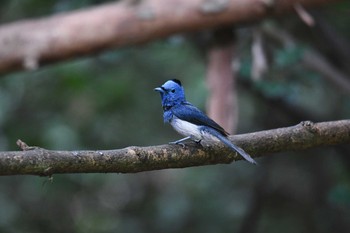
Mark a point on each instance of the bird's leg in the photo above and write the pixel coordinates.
(179, 142)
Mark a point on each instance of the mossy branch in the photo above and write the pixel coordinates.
(42, 162)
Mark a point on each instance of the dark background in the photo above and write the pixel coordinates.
(106, 101)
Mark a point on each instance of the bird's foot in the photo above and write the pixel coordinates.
(198, 141)
(178, 143)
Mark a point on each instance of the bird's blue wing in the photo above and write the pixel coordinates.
(186, 111)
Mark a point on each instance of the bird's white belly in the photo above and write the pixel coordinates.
(186, 128)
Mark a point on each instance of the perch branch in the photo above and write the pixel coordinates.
(28, 44)
(42, 162)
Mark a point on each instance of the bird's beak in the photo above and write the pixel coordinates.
(159, 89)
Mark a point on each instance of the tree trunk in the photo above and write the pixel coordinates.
(28, 44)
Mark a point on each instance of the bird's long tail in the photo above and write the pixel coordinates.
(232, 146)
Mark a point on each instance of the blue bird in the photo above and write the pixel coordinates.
(189, 121)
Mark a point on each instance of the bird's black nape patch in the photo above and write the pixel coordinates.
(177, 81)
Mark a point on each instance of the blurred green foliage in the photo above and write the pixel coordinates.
(106, 101)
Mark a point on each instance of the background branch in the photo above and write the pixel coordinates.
(222, 103)
(313, 60)
(30, 43)
(38, 161)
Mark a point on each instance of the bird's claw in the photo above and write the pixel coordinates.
(198, 141)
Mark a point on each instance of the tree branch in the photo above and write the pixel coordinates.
(30, 43)
(38, 161)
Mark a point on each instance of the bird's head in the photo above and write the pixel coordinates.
(171, 92)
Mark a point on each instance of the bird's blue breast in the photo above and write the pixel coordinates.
(167, 115)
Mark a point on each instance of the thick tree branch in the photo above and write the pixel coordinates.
(38, 161)
(30, 43)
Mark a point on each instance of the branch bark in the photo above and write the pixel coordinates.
(29, 44)
(42, 162)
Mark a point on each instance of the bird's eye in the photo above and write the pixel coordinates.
(172, 90)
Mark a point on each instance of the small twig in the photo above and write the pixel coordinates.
(304, 15)
(24, 146)
(259, 58)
